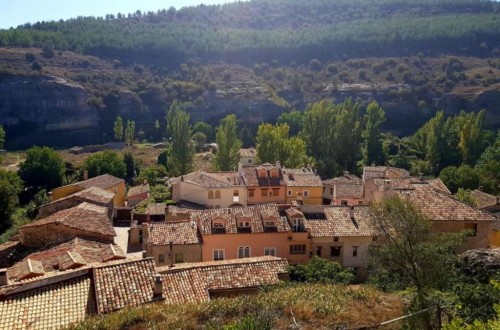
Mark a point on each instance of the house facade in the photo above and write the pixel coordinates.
(210, 190)
(264, 183)
(303, 186)
(344, 190)
(106, 182)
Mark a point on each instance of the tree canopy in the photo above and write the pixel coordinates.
(181, 152)
(42, 169)
(105, 162)
(228, 143)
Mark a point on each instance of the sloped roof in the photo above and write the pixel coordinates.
(212, 179)
(49, 307)
(344, 178)
(249, 175)
(86, 217)
(156, 209)
(301, 178)
(254, 213)
(89, 251)
(26, 269)
(348, 189)
(104, 181)
(250, 152)
(439, 206)
(193, 282)
(484, 200)
(124, 284)
(137, 190)
(338, 222)
(181, 232)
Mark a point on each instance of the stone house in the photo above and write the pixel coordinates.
(137, 194)
(84, 220)
(485, 201)
(303, 186)
(258, 230)
(264, 183)
(340, 233)
(248, 157)
(210, 190)
(343, 190)
(172, 242)
(106, 182)
(91, 195)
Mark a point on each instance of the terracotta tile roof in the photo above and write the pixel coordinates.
(192, 282)
(88, 250)
(339, 223)
(104, 181)
(92, 195)
(439, 206)
(438, 184)
(349, 189)
(230, 217)
(250, 152)
(87, 217)
(301, 178)
(49, 307)
(250, 177)
(495, 224)
(70, 260)
(386, 172)
(5, 251)
(137, 190)
(344, 178)
(181, 232)
(484, 200)
(26, 269)
(213, 179)
(156, 209)
(124, 284)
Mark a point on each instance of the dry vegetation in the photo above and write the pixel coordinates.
(304, 306)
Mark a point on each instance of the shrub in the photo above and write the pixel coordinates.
(319, 270)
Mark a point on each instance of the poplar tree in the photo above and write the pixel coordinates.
(181, 152)
(118, 128)
(226, 136)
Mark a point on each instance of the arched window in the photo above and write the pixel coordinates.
(217, 194)
(210, 194)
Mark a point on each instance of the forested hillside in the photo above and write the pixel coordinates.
(257, 59)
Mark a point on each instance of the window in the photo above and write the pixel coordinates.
(161, 258)
(217, 194)
(263, 192)
(297, 225)
(219, 254)
(270, 251)
(210, 194)
(276, 191)
(244, 252)
(236, 196)
(343, 202)
(289, 193)
(354, 251)
(324, 190)
(250, 192)
(249, 161)
(306, 193)
(298, 249)
(472, 227)
(331, 191)
(179, 257)
(335, 238)
(360, 202)
(244, 224)
(318, 251)
(335, 251)
(270, 224)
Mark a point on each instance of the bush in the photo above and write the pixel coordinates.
(319, 270)
(315, 65)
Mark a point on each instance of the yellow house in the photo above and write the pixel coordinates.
(106, 182)
(495, 233)
(303, 186)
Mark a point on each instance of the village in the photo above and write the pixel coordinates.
(96, 248)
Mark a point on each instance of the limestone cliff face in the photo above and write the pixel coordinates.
(49, 102)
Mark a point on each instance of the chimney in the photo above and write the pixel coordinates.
(278, 164)
(144, 254)
(4, 279)
(346, 173)
(85, 175)
(158, 288)
(145, 181)
(351, 211)
(498, 200)
(480, 188)
(240, 167)
(171, 244)
(182, 178)
(421, 176)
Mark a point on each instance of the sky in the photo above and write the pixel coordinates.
(17, 12)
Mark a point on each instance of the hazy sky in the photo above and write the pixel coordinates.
(16, 12)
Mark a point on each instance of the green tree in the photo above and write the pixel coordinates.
(273, 144)
(181, 153)
(204, 128)
(130, 166)
(105, 162)
(118, 128)
(163, 158)
(464, 176)
(488, 167)
(200, 139)
(2, 137)
(10, 187)
(409, 255)
(130, 133)
(319, 270)
(293, 119)
(373, 150)
(472, 138)
(247, 137)
(43, 168)
(157, 130)
(465, 196)
(332, 133)
(226, 137)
